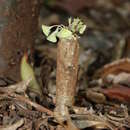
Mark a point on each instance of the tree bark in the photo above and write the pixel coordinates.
(18, 29)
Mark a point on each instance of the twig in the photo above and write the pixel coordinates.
(40, 108)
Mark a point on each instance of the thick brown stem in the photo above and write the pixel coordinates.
(66, 77)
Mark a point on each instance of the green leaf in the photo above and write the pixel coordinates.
(82, 29)
(52, 37)
(46, 30)
(64, 33)
(75, 24)
(80, 25)
(70, 21)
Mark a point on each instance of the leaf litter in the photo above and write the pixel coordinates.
(102, 100)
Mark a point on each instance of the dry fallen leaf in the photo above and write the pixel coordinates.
(116, 67)
(95, 97)
(122, 78)
(14, 126)
(118, 92)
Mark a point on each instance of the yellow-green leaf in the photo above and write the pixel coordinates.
(52, 37)
(46, 29)
(70, 21)
(75, 24)
(64, 33)
(82, 29)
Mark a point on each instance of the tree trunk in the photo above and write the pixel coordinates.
(18, 29)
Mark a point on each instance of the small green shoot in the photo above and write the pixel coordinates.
(27, 73)
(74, 26)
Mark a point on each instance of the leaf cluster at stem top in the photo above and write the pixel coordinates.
(66, 32)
